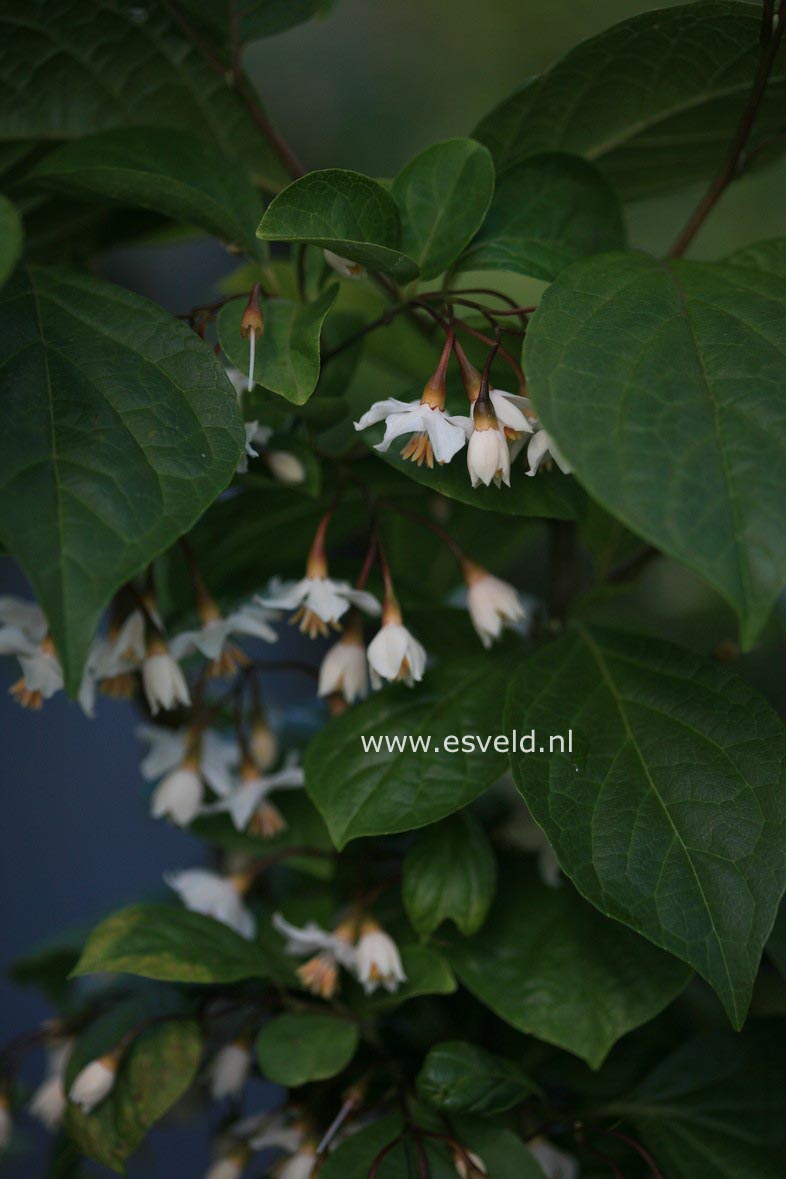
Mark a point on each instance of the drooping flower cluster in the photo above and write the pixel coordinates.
(497, 419)
(359, 945)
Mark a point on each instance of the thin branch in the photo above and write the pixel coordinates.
(733, 165)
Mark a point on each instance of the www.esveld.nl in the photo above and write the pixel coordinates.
(513, 742)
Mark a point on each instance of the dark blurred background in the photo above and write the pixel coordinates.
(365, 87)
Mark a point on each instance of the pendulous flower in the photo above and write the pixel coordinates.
(212, 638)
(229, 1070)
(320, 973)
(344, 669)
(248, 805)
(299, 1165)
(94, 1083)
(555, 1163)
(318, 601)
(343, 266)
(169, 748)
(436, 434)
(219, 897)
(113, 660)
(230, 1165)
(394, 653)
(492, 603)
(164, 682)
(49, 1101)
(378, 961)
(179, 795)
(24, 633)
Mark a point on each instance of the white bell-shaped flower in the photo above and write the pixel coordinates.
(94, 1083)
(219, 897)
(378, 961)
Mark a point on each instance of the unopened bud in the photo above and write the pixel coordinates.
(264, 745)
(252, 326)
(285, 467)
(94, 1082)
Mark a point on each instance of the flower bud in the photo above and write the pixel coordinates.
(165, 684)
(94, 1082)
(285, 467)
(253, 321)
(179, 795)
(468, 1164)
(299, 1166)
(229, 1070)
(264, 744)
(229, 1166)
(343, 266)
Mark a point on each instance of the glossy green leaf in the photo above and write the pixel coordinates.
(547, 212)
(768, 256)
(504, 1154)
(714, 1107)
(173, 945)
(443, 195)
(550, 494)
(294, 1049)
(663, 385)
(370, 793)
(118, 428)
(670, 812)
(341, 211)
(156, 1070)
(10, 238)
(171, 172)
(459, 1077)
(287, 355)
(256, 18)
(776, 946)
(552, 966)
(89, 67)
(654, 100)
(450, 873)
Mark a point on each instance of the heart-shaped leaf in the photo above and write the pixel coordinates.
(547, 212)
(170, 172)
(118, 427)
(552, 966)
(344, 212)
(670, 812)
(294, 1049)
(654, 100)
(413, 780)
(287, 355)
(173, 945)
(663, 385)
(443, 195)
(450, 873)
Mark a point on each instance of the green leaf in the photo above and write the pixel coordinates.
(84, 67)
(10, 238)
(670, 812)
(256, 18)
(443, 195)
(173, 945)
(552, 966)
(287, 355)
(663, 385)
(714, 1107)
(118, 427)
(458, 1077)
(170, 172)
(341, 211)
(450, 873)
(503, 1153)
(547, 212)
(157, 1069)
(551, 494)
(294, 1049)
(654, 101)
(776, 946)
(370, 793)
(768, 256)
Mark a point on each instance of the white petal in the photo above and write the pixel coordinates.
(382, 409)
(537, 450)
(509, 414)
(447, 437)
(284, 595)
